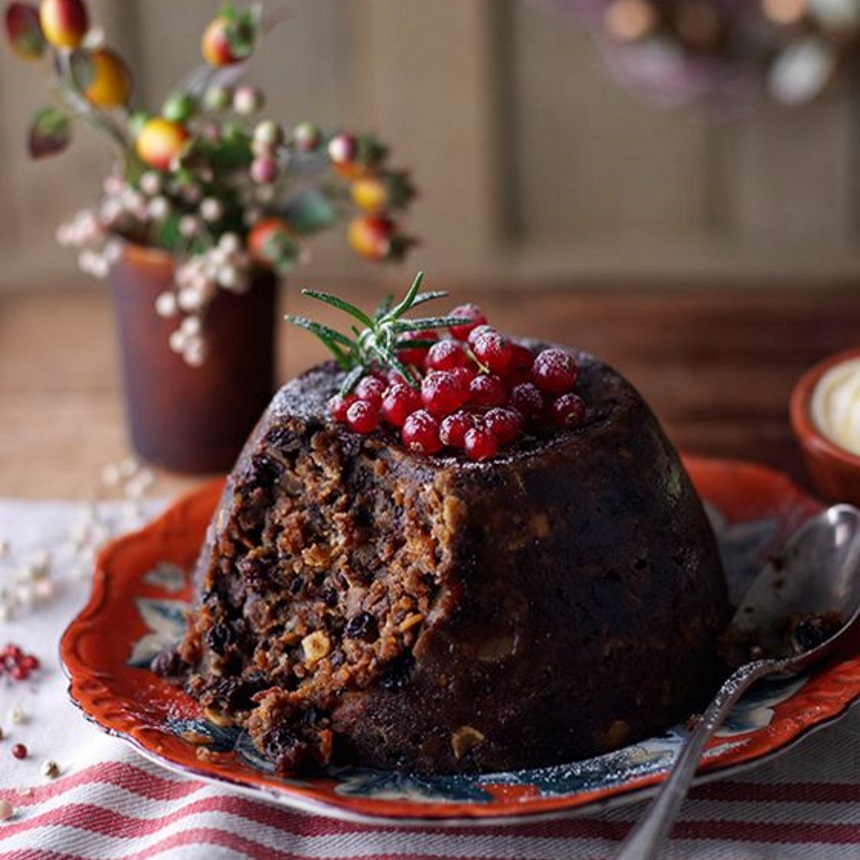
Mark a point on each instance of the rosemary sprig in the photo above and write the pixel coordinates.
(382, 335)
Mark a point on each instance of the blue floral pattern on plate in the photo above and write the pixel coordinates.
(743, 547)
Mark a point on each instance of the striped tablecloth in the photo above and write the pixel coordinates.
(109, 803)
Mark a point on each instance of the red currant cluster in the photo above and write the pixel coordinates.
(16, 664)
(478, 391)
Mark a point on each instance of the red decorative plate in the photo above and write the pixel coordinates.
(141, 590)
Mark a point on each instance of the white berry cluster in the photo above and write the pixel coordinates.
(27, 583)
(30, 579)
(226, 266)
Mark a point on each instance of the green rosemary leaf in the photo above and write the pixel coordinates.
(320, 330)
(417, 344)
(344, 361)
(331, 338)
(404, 371)
(429, 296)
(342, 305)
(351, 379)
(409, 298)
(384, 307)
(426, 323)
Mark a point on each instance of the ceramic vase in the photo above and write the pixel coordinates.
(184, 418)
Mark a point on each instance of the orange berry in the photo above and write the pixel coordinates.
(64, 22)
(370, 194)
(272, 242)
(110, 82)
(370, 236)
(350, 169)
(160, 141)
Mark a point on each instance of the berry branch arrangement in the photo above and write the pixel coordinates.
(206, 176)
(471, 389)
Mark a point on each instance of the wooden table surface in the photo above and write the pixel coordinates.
(717, 366)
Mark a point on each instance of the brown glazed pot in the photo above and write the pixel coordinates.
(192, 419)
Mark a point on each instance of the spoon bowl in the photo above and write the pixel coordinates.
(801, 607)
(805, 597)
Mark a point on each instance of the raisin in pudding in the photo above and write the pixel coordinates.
(454, 554)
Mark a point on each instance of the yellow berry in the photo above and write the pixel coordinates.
(370, 236)
(160, 141)
(370, 194)
(64, 22)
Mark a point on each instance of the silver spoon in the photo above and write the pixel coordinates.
(801, 605)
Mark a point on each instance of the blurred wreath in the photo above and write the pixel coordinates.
(729, 51)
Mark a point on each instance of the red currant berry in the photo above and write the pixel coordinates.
(421, 433)
(480, 444)
(416, 355)
(400, 401)
(19, 751)
(19, 673)
(493, 351)
(477, 332)
(528, 401)
(520, 368)
(466, 312)
(371, 389)
(393, 376)
(445, 355)
(504, 424)
(363, 417)
(442, 393)
(568, 410)
(555, 371)
(30, 662)
(464, 376)
(487, 390)
(452, 430)
(338, 406)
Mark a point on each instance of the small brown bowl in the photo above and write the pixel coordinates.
(834, 471)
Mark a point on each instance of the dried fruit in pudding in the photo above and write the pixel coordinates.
(476, 591)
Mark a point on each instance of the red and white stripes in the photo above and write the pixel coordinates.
(133, 810)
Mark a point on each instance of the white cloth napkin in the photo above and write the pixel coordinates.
(58, 534)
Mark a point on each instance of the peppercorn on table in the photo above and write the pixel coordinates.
(717, 367)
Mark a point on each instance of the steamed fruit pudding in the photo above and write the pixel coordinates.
(451, 552)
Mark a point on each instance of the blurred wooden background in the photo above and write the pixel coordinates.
(533, 163)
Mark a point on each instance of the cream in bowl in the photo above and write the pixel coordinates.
(825, 416)
(835, 405)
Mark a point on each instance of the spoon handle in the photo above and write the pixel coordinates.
(647, 836)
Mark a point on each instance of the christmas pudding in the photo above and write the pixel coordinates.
(456, 554)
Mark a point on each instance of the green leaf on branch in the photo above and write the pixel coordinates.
(241, 30)
(81, 69)
(310, 211)
(232, 151)
(50, 133)
(167, 232)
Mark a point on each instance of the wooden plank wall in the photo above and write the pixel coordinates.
(533, 162)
